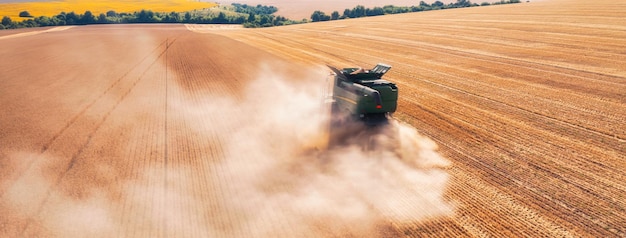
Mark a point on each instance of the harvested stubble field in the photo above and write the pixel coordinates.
(166, 130)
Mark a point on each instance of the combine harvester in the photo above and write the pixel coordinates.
(361, 103)
(362, 95)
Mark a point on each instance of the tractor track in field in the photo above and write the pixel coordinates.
(539, 194)
(506, 137)
(493, 170)
(506, 62)
(487, 98)
(165, 128)
(555, 39)
(103, 94)
(550, 118)
(73, 120)
(451, 51)
(540, 202)
(573, 125)
(327, 43)
(106, 115)
(156, 127)
(588, 176)
(458, 53)
(487, 59)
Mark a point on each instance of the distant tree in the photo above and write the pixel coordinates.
(6, 21)
(25, 14)
(377, 11)
(2, 27)
(266, 20)
(88, 18)
(72, 19)
(316, 16)
(145, 16)
(60, 19)
(346, 13)
(239, 20)
(319, 16)
(220, 19)
(111, 13)
(102, 18)
(462, 3)
(417, 9)
(280, 20)
(28, 23)
(358, 11)
(44, 21)
(174, 17)
(390, 9)
(334, 15)
(251, 17)
(258, 10)
(438, 4)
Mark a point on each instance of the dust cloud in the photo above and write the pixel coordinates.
(31, 208)
(284, 179)
(274, 174)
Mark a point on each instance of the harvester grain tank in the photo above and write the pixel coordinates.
(363, 95)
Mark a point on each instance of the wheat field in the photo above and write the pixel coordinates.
(510, 123)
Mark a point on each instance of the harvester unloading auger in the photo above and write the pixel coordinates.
(362, 95)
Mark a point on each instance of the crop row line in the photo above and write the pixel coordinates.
(602, 133)
(80, 150)
(496, 176)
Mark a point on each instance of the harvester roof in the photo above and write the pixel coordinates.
(358, 74)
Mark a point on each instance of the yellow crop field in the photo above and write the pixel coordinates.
(49, 9)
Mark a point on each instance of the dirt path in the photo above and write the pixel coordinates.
(8, 34)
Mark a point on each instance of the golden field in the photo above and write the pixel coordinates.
(49, 9)
(511, 125)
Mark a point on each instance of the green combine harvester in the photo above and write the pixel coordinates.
(362, 95)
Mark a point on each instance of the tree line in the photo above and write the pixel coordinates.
(361, 11)
(249, 16)
(242, 14)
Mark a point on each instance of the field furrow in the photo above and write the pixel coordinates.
(553, 93)
(193, 131)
